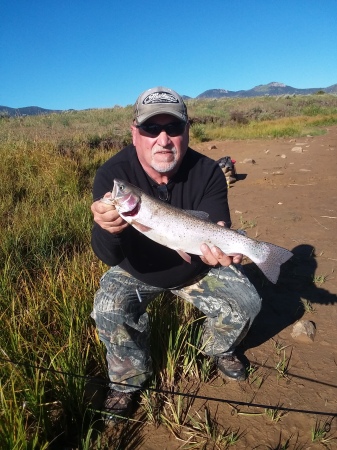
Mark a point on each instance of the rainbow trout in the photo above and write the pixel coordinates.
(185, 231)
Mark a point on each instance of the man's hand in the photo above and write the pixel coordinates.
(214, 256)
(107, 217)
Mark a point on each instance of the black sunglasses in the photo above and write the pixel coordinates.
(171, 129)
(163, 192)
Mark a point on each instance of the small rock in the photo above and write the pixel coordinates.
(305, 170)
(297, 149)
(278, 172)
(283, 156)
(248, 161)
(212, 147)
(267, 151)
(304, 331)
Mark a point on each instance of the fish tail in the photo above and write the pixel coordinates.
(274, 256)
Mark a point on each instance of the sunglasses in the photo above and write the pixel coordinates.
(163, 192)
(171, 129)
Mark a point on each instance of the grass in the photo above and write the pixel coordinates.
(290, 443)
(320, 432)
(255, 376)
(307, 306)
(282, 360)
(277, 128)
(205, 431)
(246, 223)
(49, 274)
(319, 279)
(275, 414)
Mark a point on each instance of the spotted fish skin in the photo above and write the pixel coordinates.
(185, 232)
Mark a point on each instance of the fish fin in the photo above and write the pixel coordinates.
(184, 255)
(271, 265)
(199, 214)
(140, 227)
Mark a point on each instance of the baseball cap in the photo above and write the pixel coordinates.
(159, 100)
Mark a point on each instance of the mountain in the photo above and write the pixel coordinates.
(27, 111)
(331, 89)
(273, 88)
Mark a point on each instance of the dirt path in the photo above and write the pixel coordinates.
(289, 198)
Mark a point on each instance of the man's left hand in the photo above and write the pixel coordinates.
(214, 256)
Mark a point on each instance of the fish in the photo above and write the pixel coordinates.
(185, 231)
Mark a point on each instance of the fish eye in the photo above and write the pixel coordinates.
(122, 187)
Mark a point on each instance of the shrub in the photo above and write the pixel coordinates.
(198, 132)
(238, 117)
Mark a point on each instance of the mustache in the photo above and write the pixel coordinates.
(163, 149)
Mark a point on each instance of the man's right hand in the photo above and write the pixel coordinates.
(107, 217)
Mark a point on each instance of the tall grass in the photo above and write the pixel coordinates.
(49, 274)
(277, 128)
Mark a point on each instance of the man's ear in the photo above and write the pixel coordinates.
(133, 132)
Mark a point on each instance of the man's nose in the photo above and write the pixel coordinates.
(163, 139)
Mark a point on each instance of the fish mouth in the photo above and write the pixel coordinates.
(114, 192)
(133, 212)
(128, 203)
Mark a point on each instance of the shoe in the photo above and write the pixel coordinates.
(231, 367)
(117, 405)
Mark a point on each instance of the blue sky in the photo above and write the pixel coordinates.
(100, 53)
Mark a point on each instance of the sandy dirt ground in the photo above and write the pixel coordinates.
(288, 198)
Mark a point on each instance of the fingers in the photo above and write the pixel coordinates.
(214, 256)
(105, 201)
(237, 259)
(107, 217)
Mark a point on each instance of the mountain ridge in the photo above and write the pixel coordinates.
(272, 89)
(27, 111)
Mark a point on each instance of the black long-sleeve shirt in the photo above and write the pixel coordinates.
(199, 185)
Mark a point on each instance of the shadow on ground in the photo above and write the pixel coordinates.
(282, 304)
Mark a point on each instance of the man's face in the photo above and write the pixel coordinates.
(162, 153)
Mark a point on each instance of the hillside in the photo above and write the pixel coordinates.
(270, 89)
(26, 111)
(273, 88)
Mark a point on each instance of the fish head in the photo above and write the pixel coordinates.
(125, 198)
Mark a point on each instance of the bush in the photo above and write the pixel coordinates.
(238, 117)
(198, 132)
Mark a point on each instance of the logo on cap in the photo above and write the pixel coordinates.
(160, 97)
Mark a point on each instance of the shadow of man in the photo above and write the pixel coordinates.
(282, 304)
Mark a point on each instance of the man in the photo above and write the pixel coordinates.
(161, 163)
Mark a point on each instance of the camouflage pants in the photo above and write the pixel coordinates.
(224, 295)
